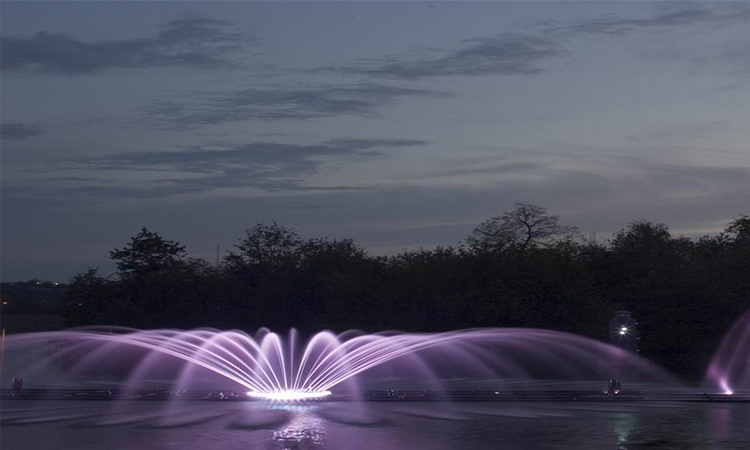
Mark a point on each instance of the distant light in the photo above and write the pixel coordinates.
(289, 396)
(623, 331)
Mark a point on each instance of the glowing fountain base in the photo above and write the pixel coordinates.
(289, 395)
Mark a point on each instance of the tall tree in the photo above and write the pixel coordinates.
(525, 226)
(739, 228)
(266, 245)
(148, 253)
(87, 296)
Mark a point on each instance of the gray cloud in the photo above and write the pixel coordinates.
(299, 102)
(200, 159)
(189, 41)
(618, 26)
(672, 17)
(683, 131)
(17, 131)
(506, 54)
(459, 169)
(383, 219)
(263, 165)
(523, 53)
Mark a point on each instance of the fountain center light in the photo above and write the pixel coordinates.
(725, 386)
(289, 395)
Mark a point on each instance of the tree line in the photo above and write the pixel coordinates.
(522, 268)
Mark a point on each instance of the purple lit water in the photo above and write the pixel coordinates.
(729, 371)
(348, 365)
(267, 365)
(389, 426)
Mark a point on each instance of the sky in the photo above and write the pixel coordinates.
(398, 124)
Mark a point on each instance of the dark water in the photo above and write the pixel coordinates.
(397, 426)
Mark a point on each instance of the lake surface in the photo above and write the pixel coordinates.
(394, 426)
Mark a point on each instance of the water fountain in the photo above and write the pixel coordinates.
(269, 367)
(282, 392)
(729, 370)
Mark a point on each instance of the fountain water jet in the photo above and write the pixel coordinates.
(271, 368)
(729, 370)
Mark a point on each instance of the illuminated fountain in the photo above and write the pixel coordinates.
(729, 370)
(267, 366)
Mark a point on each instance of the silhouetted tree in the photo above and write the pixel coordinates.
(525, 226)
(739, 228)
(87, 297)
(158, 286)
(337, 283)
(147, 253)
(266, 246)
(521, 269)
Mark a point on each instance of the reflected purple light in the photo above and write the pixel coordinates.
(290, 395)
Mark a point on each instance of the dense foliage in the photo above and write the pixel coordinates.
(520, 269)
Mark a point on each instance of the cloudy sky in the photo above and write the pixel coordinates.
(398, 124)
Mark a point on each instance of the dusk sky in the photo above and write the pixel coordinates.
(397, 124)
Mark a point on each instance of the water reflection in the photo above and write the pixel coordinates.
(624, 426)
(305, 430)
(720, 421)
(382, 426)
